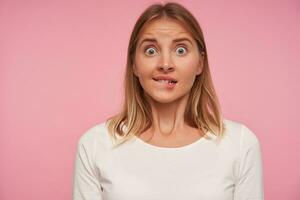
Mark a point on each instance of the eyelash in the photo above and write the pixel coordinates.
(151, 46)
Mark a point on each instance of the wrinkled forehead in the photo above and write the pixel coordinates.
(163, 27)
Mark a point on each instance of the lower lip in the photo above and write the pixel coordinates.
(166, 84)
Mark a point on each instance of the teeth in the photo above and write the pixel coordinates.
(163, 80)
(167, 81)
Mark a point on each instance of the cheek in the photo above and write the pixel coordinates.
(187, 76)
(188, 82)
(190, 63)
(143, 66)
(188, 70)
(143, 74)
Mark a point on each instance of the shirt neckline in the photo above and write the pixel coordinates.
(185, 147)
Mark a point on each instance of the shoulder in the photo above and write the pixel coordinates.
(240, 134)
(247, 165)
(96, 135)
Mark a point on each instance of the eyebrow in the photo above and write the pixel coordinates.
(174, 41)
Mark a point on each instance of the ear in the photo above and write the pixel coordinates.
(134, 70)
(200, 66)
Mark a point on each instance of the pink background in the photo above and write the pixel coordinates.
(62, 63)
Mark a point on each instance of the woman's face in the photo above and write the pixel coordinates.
(166, 50)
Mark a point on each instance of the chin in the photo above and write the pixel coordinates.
(165, 100)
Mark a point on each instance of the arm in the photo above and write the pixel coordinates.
(85, 183)
(249, 183)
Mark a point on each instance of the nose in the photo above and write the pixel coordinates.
(166, 68)
(165, 63)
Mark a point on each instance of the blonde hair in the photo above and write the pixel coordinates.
(203, 108)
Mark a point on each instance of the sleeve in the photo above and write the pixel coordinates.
(85, 183)
(249, 183)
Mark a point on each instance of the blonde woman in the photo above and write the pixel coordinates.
(170, 141)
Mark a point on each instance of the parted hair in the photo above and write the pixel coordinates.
(203, 109)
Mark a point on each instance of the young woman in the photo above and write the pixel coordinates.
(170, 141)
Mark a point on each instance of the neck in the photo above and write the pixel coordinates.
(168, 118)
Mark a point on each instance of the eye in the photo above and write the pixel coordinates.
(150, 51)
(181, 50)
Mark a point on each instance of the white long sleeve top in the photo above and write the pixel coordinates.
(136, 170)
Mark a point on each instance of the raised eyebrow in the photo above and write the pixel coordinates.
(174, 41)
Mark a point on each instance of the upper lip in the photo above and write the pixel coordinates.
(169, 78)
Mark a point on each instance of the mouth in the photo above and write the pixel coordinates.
(169, 82)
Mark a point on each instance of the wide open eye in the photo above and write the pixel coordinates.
(181, 50)
(150, 51)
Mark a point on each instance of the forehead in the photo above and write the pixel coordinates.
(164, 27)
